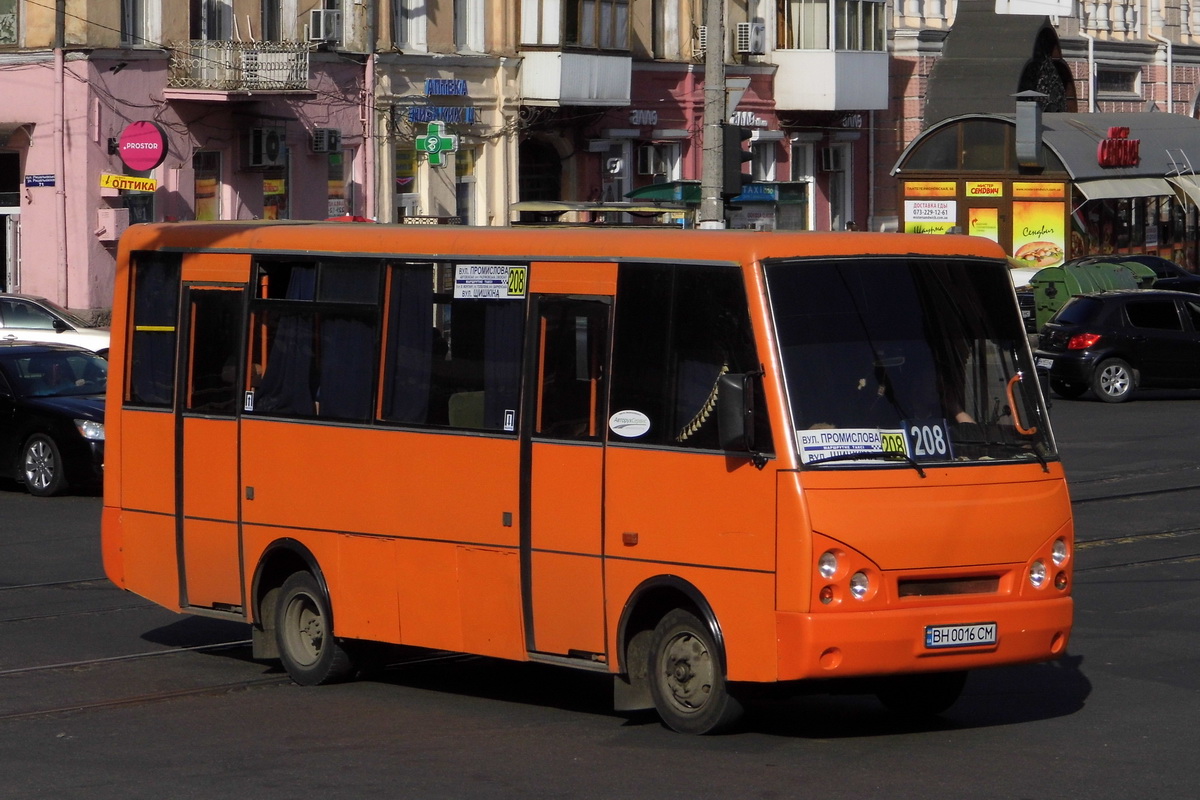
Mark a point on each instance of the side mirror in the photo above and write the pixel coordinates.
(735, 411)
(60, 326)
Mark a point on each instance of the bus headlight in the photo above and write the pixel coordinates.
(827, 564)
(1037, 574)
(860, 585)
(90, 429)
(1059, 554)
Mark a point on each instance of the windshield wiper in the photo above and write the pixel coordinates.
(887, 455)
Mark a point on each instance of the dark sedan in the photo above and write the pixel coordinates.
(51, 416)
(1117, 341)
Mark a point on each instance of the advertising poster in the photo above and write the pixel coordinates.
(930, 216)
(1039, 233)
(985, 222)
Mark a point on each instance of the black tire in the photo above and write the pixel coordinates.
(42, 467)
(1067, 389)
(687, 681)
(1113, 381)
(304, 634)
(924, 695)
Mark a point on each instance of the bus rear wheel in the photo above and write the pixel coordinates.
(686, 680)
(304, 634)
(925, 695)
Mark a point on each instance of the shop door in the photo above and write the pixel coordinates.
(207, 448)
(562, 475)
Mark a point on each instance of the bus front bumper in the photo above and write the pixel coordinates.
(855, 644)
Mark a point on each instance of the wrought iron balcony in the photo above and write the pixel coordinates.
(223, 66)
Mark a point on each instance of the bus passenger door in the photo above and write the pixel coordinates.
(563, 475)
(207, 448)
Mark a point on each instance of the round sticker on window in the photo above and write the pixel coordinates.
(630, 424)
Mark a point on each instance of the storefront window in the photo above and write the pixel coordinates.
(275, 196)
(464, 187)
(206, 200)
(340, 189)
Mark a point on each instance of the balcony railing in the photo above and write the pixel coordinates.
(239, 66)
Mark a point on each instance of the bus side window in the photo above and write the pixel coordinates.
(155, 303)
(677, 330)
(449, 362)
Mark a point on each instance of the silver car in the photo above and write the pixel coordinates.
(25, 318)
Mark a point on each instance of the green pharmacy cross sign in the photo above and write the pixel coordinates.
(436, 143)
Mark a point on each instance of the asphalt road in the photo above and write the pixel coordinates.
(104, 695)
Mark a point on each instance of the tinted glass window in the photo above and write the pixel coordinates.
(1079, 311)
(1155, 314)
(677, 330)
(313, 339)
(152, 345)
(451, 361)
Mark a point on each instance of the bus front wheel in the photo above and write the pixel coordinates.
(304, 634)
(686, 679)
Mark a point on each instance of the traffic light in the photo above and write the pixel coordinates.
(733, 156)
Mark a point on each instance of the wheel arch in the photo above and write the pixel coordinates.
(652, 599)
(280, 559)
(648, 603)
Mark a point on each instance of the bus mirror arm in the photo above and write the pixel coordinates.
(735, 414)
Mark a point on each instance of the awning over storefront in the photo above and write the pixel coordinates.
(1188, 184)
(669, 191)
(1124, 187)
(564, 206)
(1166, 143)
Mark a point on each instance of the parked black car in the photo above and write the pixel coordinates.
(51, 416)
(1117, 341)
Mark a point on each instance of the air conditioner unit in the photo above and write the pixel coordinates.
(267, 147)
(831, 159)
(326, 140)
(751, 38)
(325, 25)
(701, 43)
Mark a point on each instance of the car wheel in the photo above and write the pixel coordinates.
(304, 634)
(42, 467)
(686, 679)
(1113, 381)
(1067, 389)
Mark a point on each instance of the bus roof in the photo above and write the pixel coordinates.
(569, 244)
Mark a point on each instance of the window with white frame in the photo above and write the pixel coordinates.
(763, 155)
(409, 22)
(141, 23)
(464, 184)
(660, 160)
(468, 25)
(541, 22)
(857, 24)
(210, 20)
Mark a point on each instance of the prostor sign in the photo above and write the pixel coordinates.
(1118, 150)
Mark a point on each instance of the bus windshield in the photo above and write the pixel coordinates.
(905, 360)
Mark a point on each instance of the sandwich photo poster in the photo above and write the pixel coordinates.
(1039, 233)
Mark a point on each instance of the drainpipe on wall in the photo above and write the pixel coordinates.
(60, 151)
(1170, 69)
(1091, 69)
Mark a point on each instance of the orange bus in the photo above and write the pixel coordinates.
(694, 460)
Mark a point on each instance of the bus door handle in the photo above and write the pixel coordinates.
(1012, 403)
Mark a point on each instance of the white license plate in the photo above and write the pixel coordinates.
(973, 635)
(1045, 363)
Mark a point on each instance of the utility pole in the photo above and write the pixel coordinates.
(712, 206)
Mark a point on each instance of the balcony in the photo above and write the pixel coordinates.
(559, 78)
(210, 70)
(830, 80)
